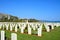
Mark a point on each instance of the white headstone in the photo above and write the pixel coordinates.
(2, 35)
(13, 36)
(57, 24)
(10, 28)
(48, 29)
(22, 30)
(29, 30)
(16, 28)
(52, 27)
(7, 25)
(40, 31)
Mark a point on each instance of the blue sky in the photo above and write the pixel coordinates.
(37, 9)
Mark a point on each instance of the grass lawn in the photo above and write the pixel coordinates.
(53, 35)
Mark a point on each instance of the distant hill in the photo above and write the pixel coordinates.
(10, 18)
(7, 17)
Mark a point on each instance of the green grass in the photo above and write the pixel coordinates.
(53, 35)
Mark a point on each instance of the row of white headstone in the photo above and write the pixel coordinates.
(22, 27)
(30, 26)
(13, 36)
